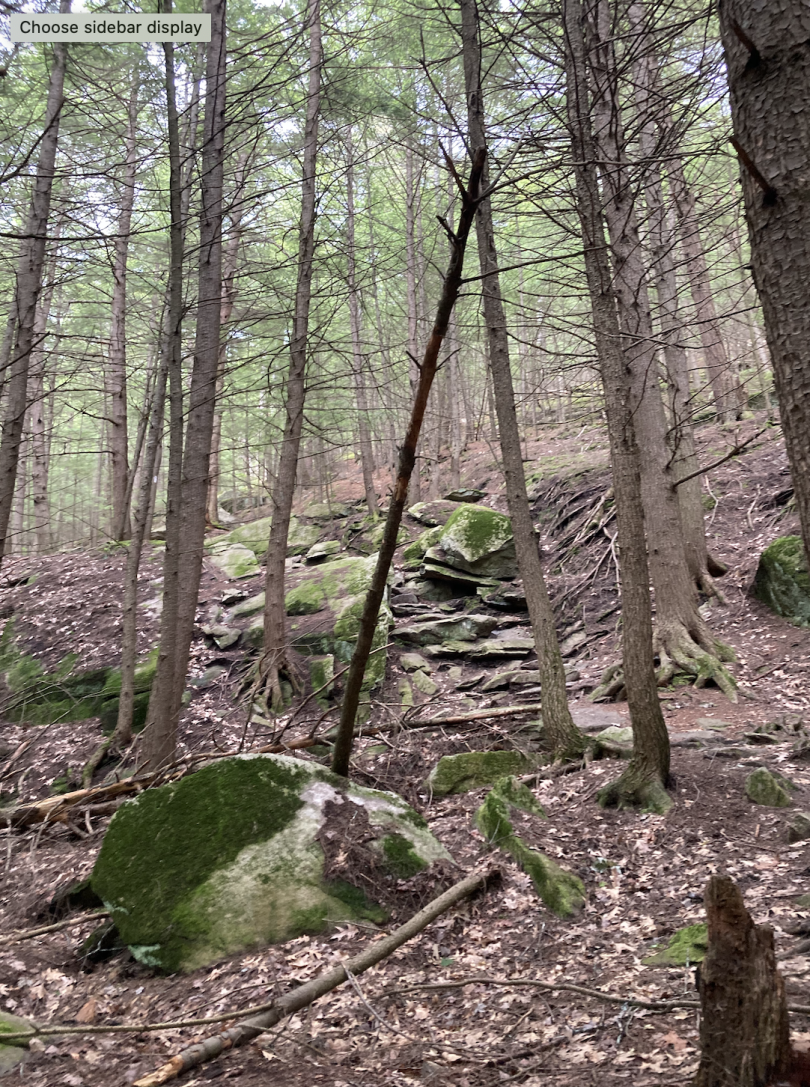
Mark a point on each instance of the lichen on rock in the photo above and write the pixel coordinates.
(229, 858)
(479, 540)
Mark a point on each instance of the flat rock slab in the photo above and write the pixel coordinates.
(593, 717)
(464, 628)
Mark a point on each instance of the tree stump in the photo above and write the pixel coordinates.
(744, 1036)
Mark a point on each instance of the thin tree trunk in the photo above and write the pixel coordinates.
(169, 684)
(769, 83)
(681, 434)
(28, 285)
(274, 659)
(715, 357)
(355, 318)
(227, 300)
(410, 278)
(560, 733)
(683, 639)
(344, 739)
(648, 771)
(115, 374)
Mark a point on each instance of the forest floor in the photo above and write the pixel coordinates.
(644, 874)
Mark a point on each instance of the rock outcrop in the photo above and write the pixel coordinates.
(782, 581)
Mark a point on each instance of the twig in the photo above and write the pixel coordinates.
(735, 451)
(30, 933)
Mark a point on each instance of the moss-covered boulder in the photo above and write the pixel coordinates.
(415, 551)
(472, 769)
(480, 541)
(255, 534)
(247, 852)
(68, 692)
(799, 827)
(770, 790)
(782, 581)
(687, 946)
(431, 514)
(561, 891)
(320, 552)
(13, 1054)
(236, 561)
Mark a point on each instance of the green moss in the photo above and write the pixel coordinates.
(356, 900)
(306, 598)
(476, 531)
(415, 552)
(471, 769)
(562, 892)
(162, 886)
(763, 787)
(688, 945)
(782, 581)
(401, 857)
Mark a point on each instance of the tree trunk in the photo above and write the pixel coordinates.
(115, 374)
(169, 684)
(355, 319)
(227, 299)
(644, 779)
(769, 84)
(560, 733)
(28, 285)
(744, 1031)
(410, 274)
(407, 458)
(274, 659)
(681, 436)
(682, 638)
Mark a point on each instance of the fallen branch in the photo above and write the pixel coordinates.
(304, 995)
(463, 718)
(30, 933)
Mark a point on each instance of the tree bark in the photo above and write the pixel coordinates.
(28, 286)
(410, 275)
(407, 458)
(167, 690)
(681, 438)
(560, 733)
(644, 779)
(355, 322)
(274, 659)
(682, 638)
(115, 374)
(769, 85)
(744, 1031)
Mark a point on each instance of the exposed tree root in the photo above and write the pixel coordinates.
(697, 653)
(636, 790)
(95, 761)
(708, 586)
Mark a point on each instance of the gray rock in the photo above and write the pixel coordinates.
(248, 607)
(799, 827)
(465, 494)
(237, 561)
(433, 513)
(12, 1055)
(222, 636)
(501, 648)
(422, 682)
(471, 769)
(320, 552)
(436, 631)
(435, 568)
(414, 662)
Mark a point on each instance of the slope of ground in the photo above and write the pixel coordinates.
(644, 875)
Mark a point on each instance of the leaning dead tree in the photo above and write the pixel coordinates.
(470, 198)
(744, 1036)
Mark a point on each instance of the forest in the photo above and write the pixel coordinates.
(404, 523)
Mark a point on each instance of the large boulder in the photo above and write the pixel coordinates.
(436, 629)
(472, 769)
(251, 850)
(782, 581)
(479, 541)
(255, 534)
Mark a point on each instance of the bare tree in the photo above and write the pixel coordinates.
(28, 286)
(274, 658)
(643, 782)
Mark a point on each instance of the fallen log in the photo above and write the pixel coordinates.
(306, 994)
